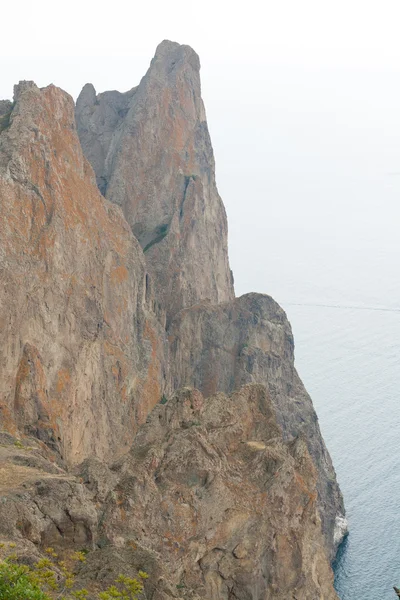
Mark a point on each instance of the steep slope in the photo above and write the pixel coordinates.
(231, 509)
(218, 495)
(209, 501)
(221, 348)
(81, 350)
(152, 155)
(141, 144)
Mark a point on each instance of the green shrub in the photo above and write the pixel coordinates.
(43, 581)
(16, 583)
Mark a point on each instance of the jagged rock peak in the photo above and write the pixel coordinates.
(152, 155)
(88, 93)
(169, 53)
(22, 86)
(220, 491)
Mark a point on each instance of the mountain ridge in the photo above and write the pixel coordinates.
(112, 304)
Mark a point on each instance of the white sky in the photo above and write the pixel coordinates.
(303, 101)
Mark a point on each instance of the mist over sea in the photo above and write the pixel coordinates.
(341, 291)
(311, 182)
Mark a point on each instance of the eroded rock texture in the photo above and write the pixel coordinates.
(229, 505)
(103, 313)
(140, 144)
(210, 501)
(81, 350)
(220, 348)
(152, 155)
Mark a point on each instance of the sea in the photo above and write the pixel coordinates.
(348, 357)
(310, 176)
(341, 292)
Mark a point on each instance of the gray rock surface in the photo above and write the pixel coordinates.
(221, 348)
(152, 155)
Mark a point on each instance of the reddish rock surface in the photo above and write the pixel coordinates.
(227, 492)
(81, 350)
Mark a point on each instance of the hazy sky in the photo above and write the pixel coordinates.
(303, 101)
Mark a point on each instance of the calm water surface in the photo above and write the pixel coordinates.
(349, 361)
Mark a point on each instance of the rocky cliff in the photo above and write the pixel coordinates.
(115, 293)
(152, 155)
(139, 144)
(221, 348)
(209, 501)
(81, 349)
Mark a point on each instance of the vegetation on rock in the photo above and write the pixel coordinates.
(50, 578)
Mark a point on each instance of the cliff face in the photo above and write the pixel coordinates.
(81, 351)
(140, 144)
(220, 348)
(226, 492)
(152, 155)
(209, 501)
(238, 512)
